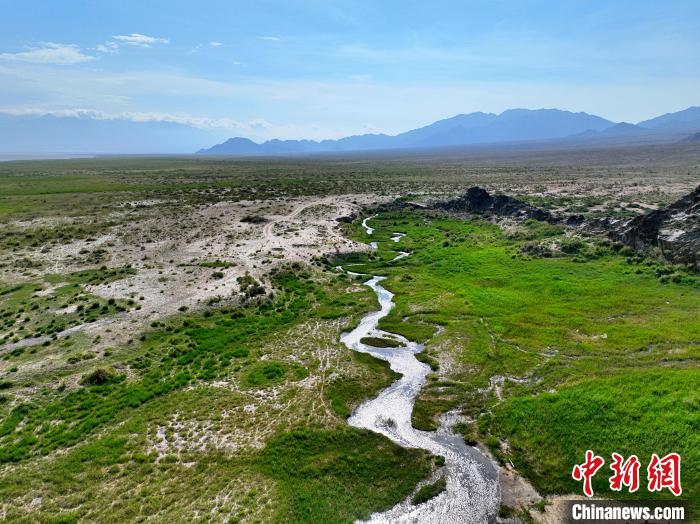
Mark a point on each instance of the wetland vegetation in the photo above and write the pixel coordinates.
(161, 356)
(586, 347)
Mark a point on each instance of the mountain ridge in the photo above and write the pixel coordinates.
(518, 127)
(510, 126)
(472, 128)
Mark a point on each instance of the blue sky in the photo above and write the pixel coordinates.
(324, 69)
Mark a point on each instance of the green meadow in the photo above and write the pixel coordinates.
(552, 343)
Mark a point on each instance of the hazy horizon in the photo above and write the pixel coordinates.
(308, 70)
(351, 261)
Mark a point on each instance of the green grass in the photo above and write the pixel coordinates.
(379, 342)
(217, 264)
(103, 275)
(80, 447)
(323, 476)
(26, 314)
(346, 393)
(192, 348)
(429, 491)
(636, 412)
(601, 327)
(265, 374)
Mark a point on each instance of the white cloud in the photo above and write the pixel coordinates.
(270, 38)
(252, 126)
(306, 109)
(107, 47)
(140, 40)
(216, 44)
(49, 53)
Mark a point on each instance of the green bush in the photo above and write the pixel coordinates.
(429, 491)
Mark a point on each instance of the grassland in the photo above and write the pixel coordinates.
(176, 407)
(163, 357)
(582, 346)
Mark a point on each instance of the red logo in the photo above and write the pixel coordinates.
(626, 473)
(662, 473)
(586, 471)
(665, 473)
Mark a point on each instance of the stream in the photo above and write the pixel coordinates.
(472, 494)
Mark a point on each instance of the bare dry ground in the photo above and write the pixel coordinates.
(185, 231)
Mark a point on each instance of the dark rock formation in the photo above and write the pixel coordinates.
(254, 219)
(346, 219)
(675, 230)
(575, 220)
(398, 204)
(478, 200)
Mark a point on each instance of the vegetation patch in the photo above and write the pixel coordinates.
(29, 311)
(593, 323)
(341, 475)
(99, 377)
(638, 412)
(217, 263)
(429, 491)
(379, 342)
(346, 393)
(265, 374)
(193, 347)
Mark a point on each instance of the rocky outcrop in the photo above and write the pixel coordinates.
(675, 230)
(478, 200)
(347, 219)
(398, 204)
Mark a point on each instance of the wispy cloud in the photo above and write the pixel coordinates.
(141, 40)
(328, 109)
(215, 44)
(49, 53)
(270, 38)
(253, 126)
(107, 47)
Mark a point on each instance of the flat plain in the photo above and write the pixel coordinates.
(169, 331)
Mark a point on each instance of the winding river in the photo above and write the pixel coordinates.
(472, 494)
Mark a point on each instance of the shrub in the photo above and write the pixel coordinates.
(98, 377)
(572, 246)
(429, 491)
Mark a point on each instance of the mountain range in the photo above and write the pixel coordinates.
(511, 126)
(90, 134)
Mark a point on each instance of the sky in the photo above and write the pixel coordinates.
(331, 68)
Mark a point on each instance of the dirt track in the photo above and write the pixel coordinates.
(169, 271)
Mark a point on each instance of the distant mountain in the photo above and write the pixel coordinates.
(244, 146)
(90, 134)
(52, 134)
(621, 130)
(475, 128)
(686, 120)
(692, 139)
(624, 129)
